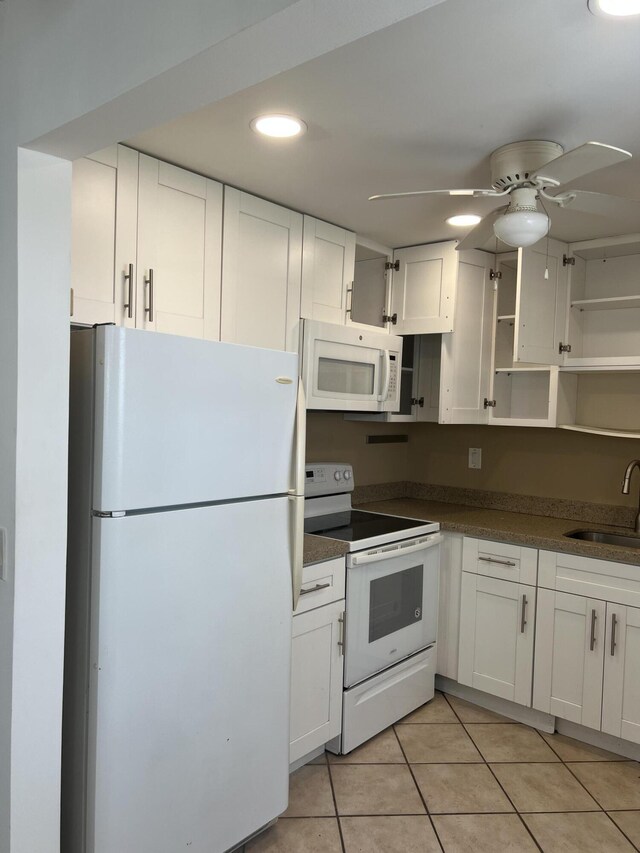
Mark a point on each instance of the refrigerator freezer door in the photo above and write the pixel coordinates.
(183, 421)
(189, 677)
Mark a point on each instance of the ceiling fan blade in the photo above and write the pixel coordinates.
(601, 204)
(580, 161)
(472, 193)
(478, 236)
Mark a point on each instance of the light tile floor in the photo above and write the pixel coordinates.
(453, 777)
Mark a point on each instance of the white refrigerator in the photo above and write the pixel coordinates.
(185, 537)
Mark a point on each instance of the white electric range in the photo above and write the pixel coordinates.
(393, 569)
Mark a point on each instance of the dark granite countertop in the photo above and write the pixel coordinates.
(318, 548)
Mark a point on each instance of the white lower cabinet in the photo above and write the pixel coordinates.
(570, 647)
(316, 678)
(497, 620)
(621, 695)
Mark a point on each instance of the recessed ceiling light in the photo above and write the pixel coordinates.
(280, 126)
(615, 8)
(464, 219)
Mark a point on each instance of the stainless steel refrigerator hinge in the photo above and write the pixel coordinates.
(392, 265)
(568, 262)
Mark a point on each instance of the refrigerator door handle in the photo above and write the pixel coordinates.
(297, 545)
(298, 463)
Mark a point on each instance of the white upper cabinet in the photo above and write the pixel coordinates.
(261, 272)
(103, 241)
(146, 246)
(328, 258)
(371, 291)
(179, 251)
(423, 288)
(541, 303)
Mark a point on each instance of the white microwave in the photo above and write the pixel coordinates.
(350, 370)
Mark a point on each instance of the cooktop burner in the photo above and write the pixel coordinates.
(355, 525)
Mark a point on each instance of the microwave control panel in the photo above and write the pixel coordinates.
(327, 478)
(393, 376)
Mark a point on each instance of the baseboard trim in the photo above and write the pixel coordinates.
(518, 713)
(599, 739)
(300, 762)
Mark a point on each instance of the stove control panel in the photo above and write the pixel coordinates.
(327, 478)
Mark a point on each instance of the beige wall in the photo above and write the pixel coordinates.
(542, 462)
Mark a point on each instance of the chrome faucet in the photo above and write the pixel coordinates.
(635, 463)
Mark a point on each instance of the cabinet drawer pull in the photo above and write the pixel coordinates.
(499, 562)
(592, 640)
(315, 588)
(149, 281)
(523, 617)
(614, 623)
(129, 303)
(341, 620)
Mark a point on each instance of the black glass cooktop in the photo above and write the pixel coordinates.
(354, 525)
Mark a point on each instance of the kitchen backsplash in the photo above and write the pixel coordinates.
(549, 463)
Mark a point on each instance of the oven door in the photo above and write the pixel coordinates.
(348, 370)
(392, 605)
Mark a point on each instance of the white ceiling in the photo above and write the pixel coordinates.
(421, 105)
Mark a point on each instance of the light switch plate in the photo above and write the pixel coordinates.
(475, 457)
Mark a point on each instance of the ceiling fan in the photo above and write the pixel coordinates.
(528, 172)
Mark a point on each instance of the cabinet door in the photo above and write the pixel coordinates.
(541, 303)
(328, 258)
(496, 637)
(423, 288)
(261, 271)
(103, 236)
(621, 697)
(569, 657)
(465, 374)
(179, 246)
(316, 679)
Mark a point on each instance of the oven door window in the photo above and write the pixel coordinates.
(395, 601)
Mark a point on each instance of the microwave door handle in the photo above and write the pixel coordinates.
(386, 361)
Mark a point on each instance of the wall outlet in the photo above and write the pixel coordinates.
(475, 457)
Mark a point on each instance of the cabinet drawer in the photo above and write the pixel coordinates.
(500, 560)
(600, 579)
(322, 583)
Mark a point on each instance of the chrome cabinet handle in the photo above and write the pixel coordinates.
(499, 562)
(614, 623)
(341, 620)
(149, 281)
(129, 303)
(349, 291)
(592, 640)
(71, 303)
(315, 588)
(523, 617)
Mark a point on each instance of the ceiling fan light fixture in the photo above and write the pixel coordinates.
(463, 220)
(521, 228)
(278, 126)
(614, 8)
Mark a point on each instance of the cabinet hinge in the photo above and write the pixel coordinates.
(568, 262)
(495, 274)
(564, 348)
(417, 401)
(489, 404)
(390, 318)
(392, 265)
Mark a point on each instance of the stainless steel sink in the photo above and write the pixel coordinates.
(606, 537)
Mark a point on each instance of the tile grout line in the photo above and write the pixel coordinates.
(488, 766)
(335, 804)
(424, 802)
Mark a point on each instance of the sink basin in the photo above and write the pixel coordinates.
(606, 537)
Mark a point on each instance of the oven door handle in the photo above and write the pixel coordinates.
(390, 553)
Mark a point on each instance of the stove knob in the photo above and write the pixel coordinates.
(347, 475)
(338, 475)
